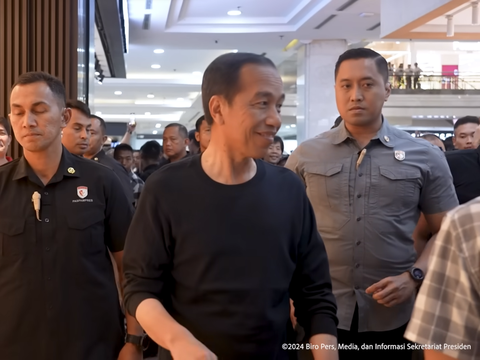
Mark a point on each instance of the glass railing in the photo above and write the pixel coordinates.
(432, 81)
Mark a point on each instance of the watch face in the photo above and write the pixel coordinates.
(417, 273)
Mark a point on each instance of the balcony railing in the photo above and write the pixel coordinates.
(433, 81)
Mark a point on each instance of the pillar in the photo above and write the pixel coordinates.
(317, 109)
(45, 35)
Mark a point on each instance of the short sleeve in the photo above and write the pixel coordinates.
(438, 193)
(446, 317)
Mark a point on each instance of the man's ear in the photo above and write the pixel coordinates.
(104, 138)
(217, 106)
(197, 136)
(66, 116)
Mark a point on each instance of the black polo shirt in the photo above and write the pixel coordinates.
(465, 169)
(58, 297)
(119, 170)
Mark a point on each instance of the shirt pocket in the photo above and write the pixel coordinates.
(17, 237)
(87, 231)
(395, 189)
(327, 189)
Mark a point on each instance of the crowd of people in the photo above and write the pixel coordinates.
(363, 243)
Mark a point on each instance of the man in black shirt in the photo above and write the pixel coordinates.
(202, 133)
(217, 282)
(150, 154)
(98, 136)
(465, 168)
(60, 214)
(76, 135)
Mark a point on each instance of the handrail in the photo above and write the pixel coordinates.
(436, 81)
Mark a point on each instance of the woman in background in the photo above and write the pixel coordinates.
(5, 140)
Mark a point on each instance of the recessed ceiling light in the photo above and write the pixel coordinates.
(158, 126)
(118, 93)
(293, 125)
(180, 99)
(234, 12)
(156, 66)
(98, 113)
(397, 42)
(150, 96)
(197, 73)
(158, 51)
(288, 127)
(154, 132)
(235, 51)
(147, 113)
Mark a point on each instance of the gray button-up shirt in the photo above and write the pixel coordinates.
(366, 216)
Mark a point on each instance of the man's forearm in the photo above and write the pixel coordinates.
(324, 347)
(422, 261)
(126, 138)
(159, 325)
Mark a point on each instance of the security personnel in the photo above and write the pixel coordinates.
(98, 136)
(368, 182)
(60, 217)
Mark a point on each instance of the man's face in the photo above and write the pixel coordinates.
(136, 159)
(274, 153)
(36, 116)
(125, 158)
(360, 92)
(76, 135)
(463, 136)
(174, 143)
(249, 124)
(4, 141)
(203, 136)
(97, 138)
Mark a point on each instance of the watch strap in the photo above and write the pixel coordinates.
(135, 340)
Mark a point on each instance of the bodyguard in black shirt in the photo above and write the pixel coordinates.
(465, 168)
(59, 216)
(214, 280)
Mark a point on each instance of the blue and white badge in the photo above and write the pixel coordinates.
(399, 155)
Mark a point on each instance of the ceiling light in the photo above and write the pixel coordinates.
(450, 26)
(398, 42)
(180, 99)
(234, 12)
(118, 93)
(293, 125)
(98, 113)
(235, 51)
(150, 96)
(154, 132)
(197, 73)
(99, 82)
(367, 14)
(158, 51)
(156, 66)
(429, 116)
(158, 126)
(436, 116)
(147, 113)
(288, 127)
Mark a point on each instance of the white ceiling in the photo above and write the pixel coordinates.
(193, 33)
(462, 20)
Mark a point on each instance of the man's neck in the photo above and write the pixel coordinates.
(364, 133)
(91, 156)
(178, 157)
(45, 164)
(225, 166)
(151, 163)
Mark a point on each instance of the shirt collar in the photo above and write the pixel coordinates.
(66, 168)
(340, 134)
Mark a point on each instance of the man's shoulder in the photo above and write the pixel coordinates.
(282, 175)
(173, 172)
(457, 155)
(7, 171)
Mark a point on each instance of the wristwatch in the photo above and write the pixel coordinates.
(135, 340)
(417, 274)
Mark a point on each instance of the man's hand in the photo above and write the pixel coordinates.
(393, 290)
(189, 348)
(293, 319)
(131, 127)
(130, 352)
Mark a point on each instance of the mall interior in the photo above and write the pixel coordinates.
(139, 66)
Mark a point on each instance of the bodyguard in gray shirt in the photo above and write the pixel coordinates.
(368, 183)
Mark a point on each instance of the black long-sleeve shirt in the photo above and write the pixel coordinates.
(226, 267)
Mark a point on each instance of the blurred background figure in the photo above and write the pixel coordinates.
(5, 140)
(434, 140)
(274, 154)
(464, 132)
(76, 135)
(193, 145)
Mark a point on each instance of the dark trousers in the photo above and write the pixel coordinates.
(371, 339)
